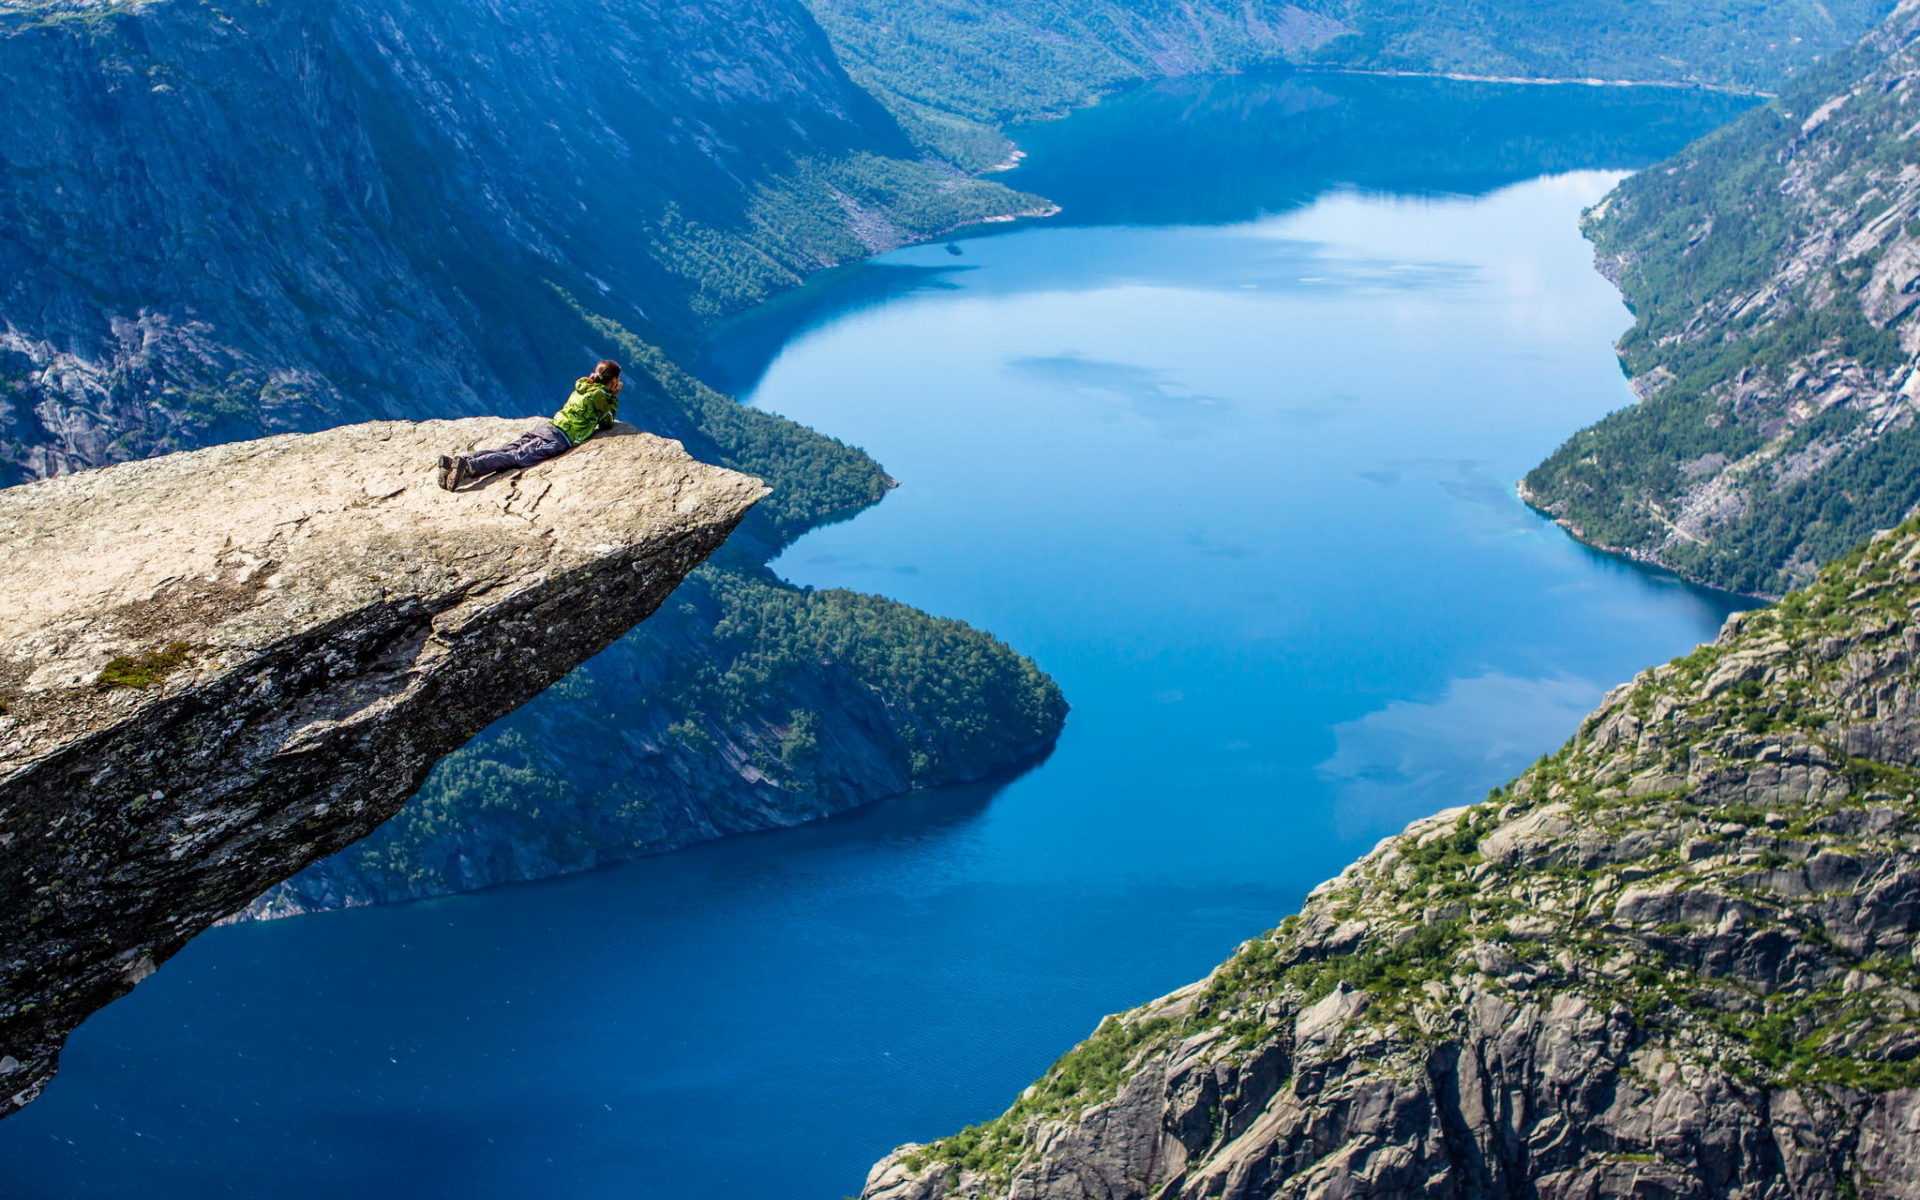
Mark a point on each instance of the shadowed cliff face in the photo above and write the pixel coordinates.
(232, 221)
(741, 706)
(1679, 958)
(224, 665)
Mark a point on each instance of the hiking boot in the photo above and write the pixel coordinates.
(455, 471)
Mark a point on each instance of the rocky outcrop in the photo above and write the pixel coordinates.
(1680, 958)
(745, 704)
(1774, 270)
(221, 666)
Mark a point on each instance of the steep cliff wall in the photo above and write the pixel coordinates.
(1679, 958)
(223, 665)
(1774, 269)
(233, 220)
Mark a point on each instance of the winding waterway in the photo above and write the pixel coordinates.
(1228, 447)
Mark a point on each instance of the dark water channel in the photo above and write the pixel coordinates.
(1228, 446)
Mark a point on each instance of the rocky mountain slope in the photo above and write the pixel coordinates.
(1680, 957)
(223, 665)
(257, 218)
(1774, 270)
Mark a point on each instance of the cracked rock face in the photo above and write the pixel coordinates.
(219, 667)
(1679, 958)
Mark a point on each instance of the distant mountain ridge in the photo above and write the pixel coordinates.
(955, 70)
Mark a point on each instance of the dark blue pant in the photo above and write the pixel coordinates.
(538, 444)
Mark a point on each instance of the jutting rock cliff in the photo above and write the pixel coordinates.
(229, 221)
(220, 666)
(1679, 958)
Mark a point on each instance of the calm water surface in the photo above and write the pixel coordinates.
(1229, 448)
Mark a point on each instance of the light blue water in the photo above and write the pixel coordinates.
(1228, 448)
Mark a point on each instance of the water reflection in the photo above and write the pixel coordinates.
(1408, 759)
(1212, 151)
(1146, 392)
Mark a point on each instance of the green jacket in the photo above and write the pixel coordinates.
(590, 407)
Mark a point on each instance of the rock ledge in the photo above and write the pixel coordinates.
(221, 666)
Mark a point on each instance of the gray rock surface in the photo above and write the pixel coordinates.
(1679, 958)
(1774, 271)
(220, 666)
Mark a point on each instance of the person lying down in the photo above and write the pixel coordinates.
(595, 401)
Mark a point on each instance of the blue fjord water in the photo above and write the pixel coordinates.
(1227, 446)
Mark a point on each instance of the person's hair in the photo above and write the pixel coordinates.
(606, 371)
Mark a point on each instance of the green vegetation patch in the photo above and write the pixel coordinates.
(145, 669)
(1089, 1074)
(962, 702)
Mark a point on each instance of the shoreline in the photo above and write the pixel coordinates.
(1535, 81)
(1046, 210)
(1639, 557)
(1014, 156)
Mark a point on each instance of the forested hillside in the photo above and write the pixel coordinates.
(1773, 268)
(1744, 44)
(954, 70)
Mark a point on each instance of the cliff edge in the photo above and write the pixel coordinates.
(221, 666)
(1679, 958)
